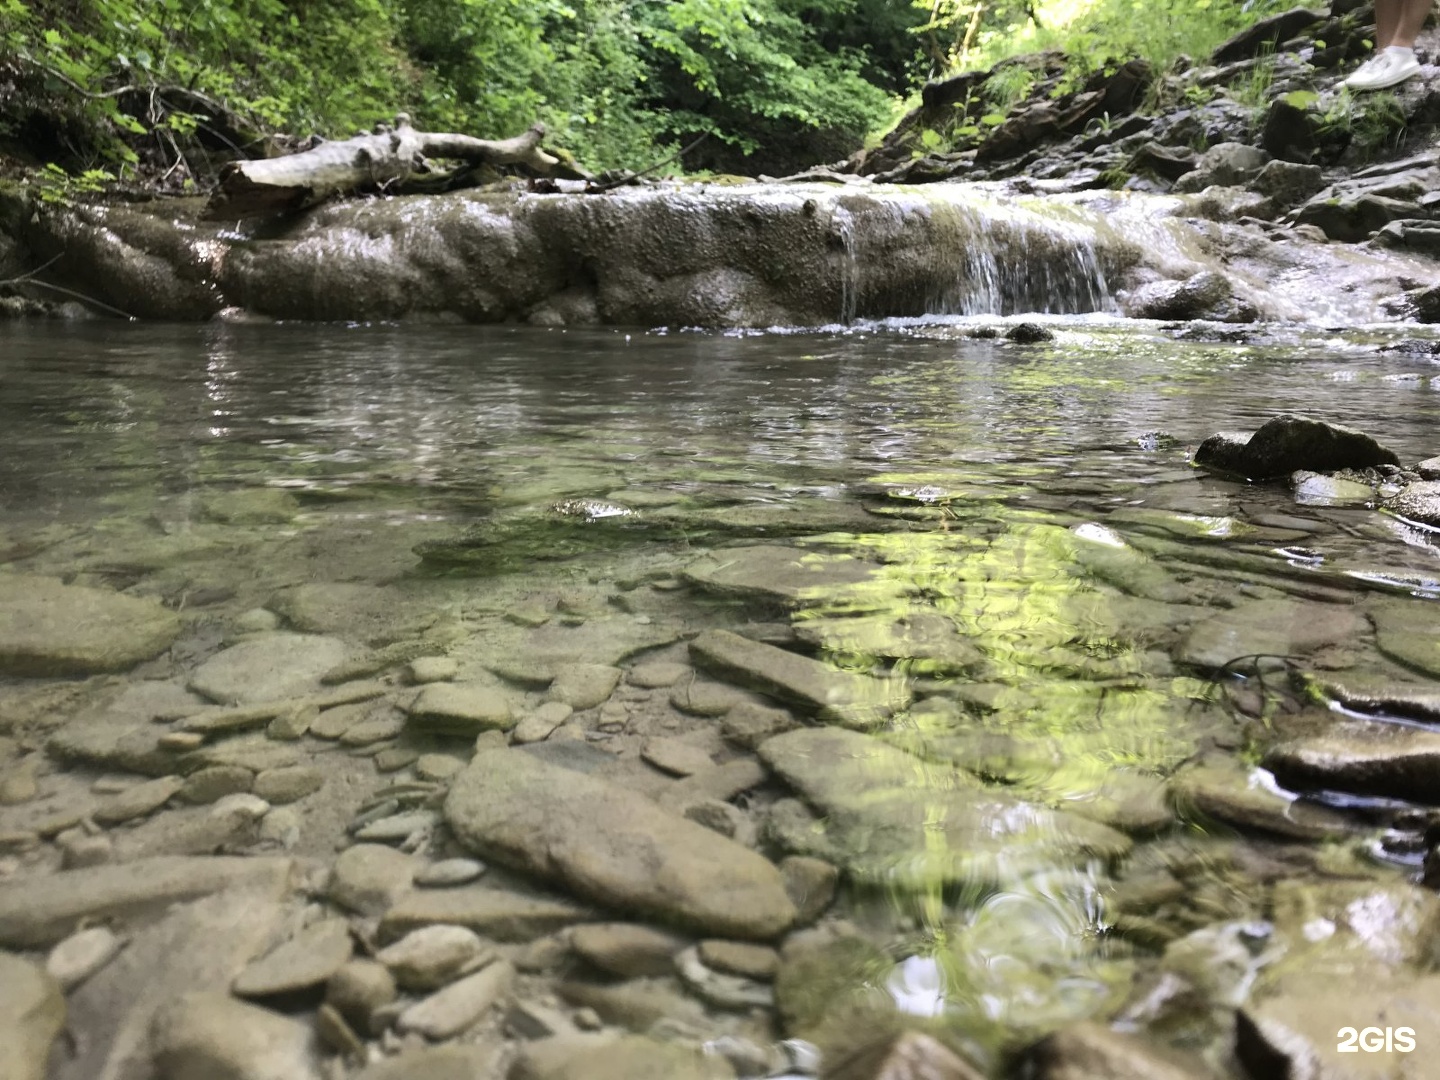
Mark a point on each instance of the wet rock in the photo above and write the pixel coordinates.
(49, 629)
(428, 669)
(1224, 165)
(435, 1063)
(213, 784)
(781, 573)
(811, 884)
(1092, 1051)
(601, 1057)
(289, 784)
(539, 724)
(1419, 502)
(398, 828)
(529, 1020)
(1429, 469)
(748, 724)
(1028, 333)
(376, 614)
(1286, 183)
(881, 805)
(1387, 760)
(718, 989)
(448, 872)
(572, 753)
(740, 958)
(358, 989)
(267, 667)
(32, 1012)
(1197, 297)
(676, 755)
(251, 506)
(308, 959)
(1263, 632)
(377, 726)
(198, 946)
(82, 954)
(138, 801)
(584, 686)
(39, 911)
(1408, 631)
(432, 956)
(209, 1036)
(492, 913)
(369, 878)
(721, 817)
(706, 697)
(1350, 217)
(909, 1055)
(613, 846)
(824, 978)
(657, 675)
(850, 699)
(628, 950)
(1298, 1033)
(1287, 443)
(1244, 799)
(930, 643)
(460, 709)
(1132, 802)
(450, 1011)
(1316, 489)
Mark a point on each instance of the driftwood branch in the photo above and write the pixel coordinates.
(366, 162)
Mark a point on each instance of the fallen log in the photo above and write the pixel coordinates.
(378, 161)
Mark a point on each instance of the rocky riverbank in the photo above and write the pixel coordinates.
(1250, 188)
(659, 819)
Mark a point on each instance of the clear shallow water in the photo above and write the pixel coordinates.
(961, 464)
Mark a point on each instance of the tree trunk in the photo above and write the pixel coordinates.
(365, 162)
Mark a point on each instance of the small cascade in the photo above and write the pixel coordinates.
(844, 224)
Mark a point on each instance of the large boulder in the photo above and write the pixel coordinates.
(48, 628)
(614, 846)
(32, 1012)
(1287, 443)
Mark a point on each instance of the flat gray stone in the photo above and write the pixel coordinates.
(893, 817)
(138, 801)
(584, 686)
(1269, 629)
(38, 911)
(1409, 631)
(461, 709)
(1394, 761)
(197, 946)
(32, 1012)
(613, 846)
(289, 784)
(629, 950)
(1233, 795)
(657, 674)
(675, 755)
(449, 872)
(537, 726)
(369, 878)
(211, 1036)
(268, 667)
(783, 573)
(450, 1011)
(1091, 1051)
(831, 694)
(929, 643)
(82, 954)
(375, 614)
(492, 913)
(604, 1057)
(306, 960)
(454, 1062)
(432, 956)
(48, 629)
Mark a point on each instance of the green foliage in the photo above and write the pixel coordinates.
(1368, 123)
(613, 80)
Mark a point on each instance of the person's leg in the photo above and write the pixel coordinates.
(1408, 19)
(1387, 18)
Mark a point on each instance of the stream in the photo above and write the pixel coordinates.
(1007, 680)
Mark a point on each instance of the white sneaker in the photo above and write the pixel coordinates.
(1385, 70)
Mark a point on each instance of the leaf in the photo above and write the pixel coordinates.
(992, 119)
(1301, 99)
